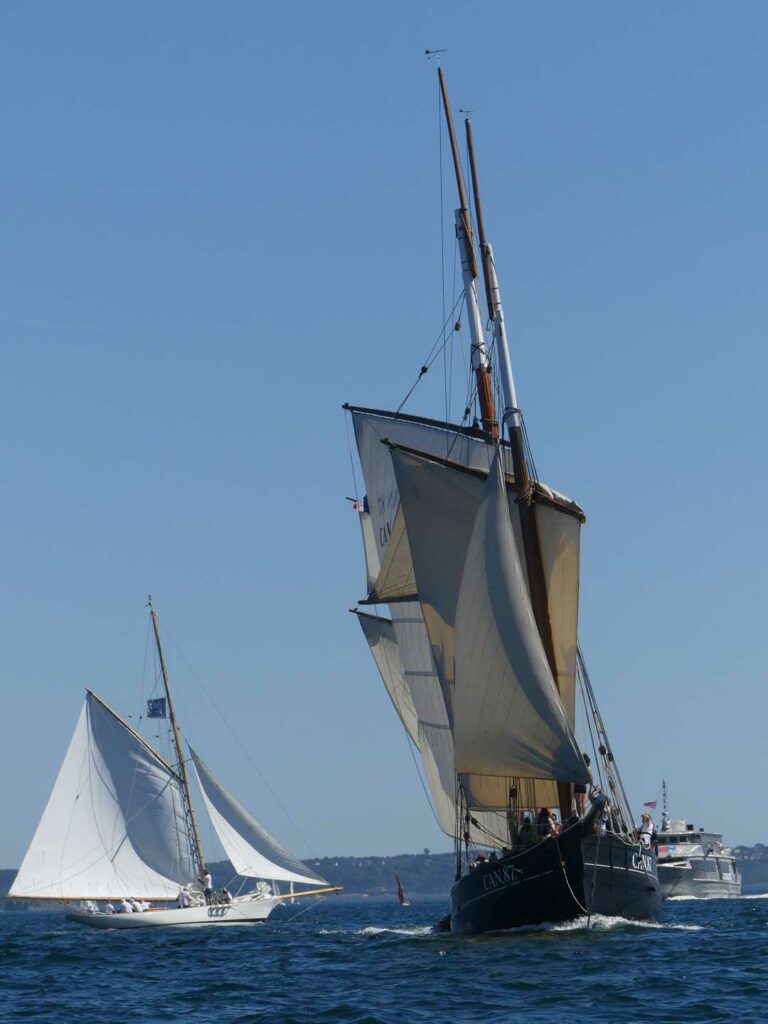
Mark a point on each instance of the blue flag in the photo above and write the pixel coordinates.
(156, 708)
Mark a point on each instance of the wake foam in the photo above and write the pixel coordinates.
(372, 930)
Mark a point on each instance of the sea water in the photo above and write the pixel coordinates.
(368, 961)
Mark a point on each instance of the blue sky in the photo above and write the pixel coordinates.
(220, 223)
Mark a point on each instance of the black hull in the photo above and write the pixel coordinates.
(575, 874)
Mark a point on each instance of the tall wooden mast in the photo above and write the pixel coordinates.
(177, 741)
(511, 418)
(480, 363)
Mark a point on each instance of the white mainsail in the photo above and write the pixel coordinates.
(114, 824)
(253, 852)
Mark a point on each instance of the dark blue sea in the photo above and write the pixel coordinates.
(372, 961)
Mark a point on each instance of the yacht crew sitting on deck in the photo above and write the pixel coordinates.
(136, 907)
(109, 908)
(184, 898)
(225, 896)
(124, 907)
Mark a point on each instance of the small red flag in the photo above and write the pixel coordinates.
(651, 803)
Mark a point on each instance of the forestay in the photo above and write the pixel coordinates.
(114, 824)
(253, 852)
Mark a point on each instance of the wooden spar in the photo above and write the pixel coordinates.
(537, 585)
(179, 749)
(480, 362)
(463, 204)
(309, 892)
(485, 254)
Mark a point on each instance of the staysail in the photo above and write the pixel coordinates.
(114, 824)
(253, 852)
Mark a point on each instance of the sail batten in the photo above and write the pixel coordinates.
(254, 853)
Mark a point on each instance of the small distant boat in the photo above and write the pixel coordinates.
(402, 899)
(120, 825)
(694, 862)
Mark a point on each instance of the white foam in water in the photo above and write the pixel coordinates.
(604, 923)
(371, 930)
(422, 930)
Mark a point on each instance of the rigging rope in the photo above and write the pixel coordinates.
(434, 352)
(240, 744)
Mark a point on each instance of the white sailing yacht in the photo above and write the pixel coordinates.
(120, 824)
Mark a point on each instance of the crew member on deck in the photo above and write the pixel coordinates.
(544, 823)
(580, 793)
(208, 887)
(647, 832)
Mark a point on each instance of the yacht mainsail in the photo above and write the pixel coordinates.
(254, 853)
(114, 823)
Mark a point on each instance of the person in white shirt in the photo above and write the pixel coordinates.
(136, 906)
(208, 886)
(110, 908)
(647, 831)
(124, 907)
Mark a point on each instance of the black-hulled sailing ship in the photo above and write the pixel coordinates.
(477, 562)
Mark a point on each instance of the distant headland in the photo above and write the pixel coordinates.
(423, 873)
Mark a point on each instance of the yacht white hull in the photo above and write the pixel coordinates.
(240, 911)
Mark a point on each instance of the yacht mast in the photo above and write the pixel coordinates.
(480, 362)
(179, 749)
(512, 420)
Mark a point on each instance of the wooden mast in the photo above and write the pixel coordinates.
(537, 585)
(480, 363)
(177, 741)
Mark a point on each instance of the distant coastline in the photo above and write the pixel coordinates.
(424, 873)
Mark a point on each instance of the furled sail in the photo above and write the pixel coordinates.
(114, 824)
(253, 852)
(505, 712)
